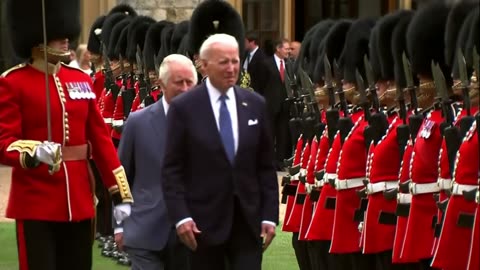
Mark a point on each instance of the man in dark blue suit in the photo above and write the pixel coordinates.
(219, 180)
(148, 236)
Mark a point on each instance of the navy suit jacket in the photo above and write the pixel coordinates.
(198, 179)
(141, 152)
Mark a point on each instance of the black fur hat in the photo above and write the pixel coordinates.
(180, 30)
(426, 39)
(374, 53)
(118, 39)
(165, 42)
(25, 27)
(153, 43)
(473, 38)
(137, 30)
(183, 47)
(399, 46)
(456, 17)
(316, 50)
(462, 43)
(204, 21)
(356, 47)
(123, 8)
(108, 26)
(94, 37)
(335, 39)
(384, 42)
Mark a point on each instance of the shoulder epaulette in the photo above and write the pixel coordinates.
(8, 71)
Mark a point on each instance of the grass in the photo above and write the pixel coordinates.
(279, 256)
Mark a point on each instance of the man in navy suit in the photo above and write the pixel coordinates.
(148, 236)
(219, 180)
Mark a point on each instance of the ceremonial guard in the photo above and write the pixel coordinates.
(94, 46)
(48, 135)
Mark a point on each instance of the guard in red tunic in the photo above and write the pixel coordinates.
(51, 196)
(425, 43)
(94, 47)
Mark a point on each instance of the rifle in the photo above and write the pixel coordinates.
(466, 121)
(110, 83)
(143, 82)
(450, 132)
(345, 123)
(312, 114)
(415, 120)
(332, 113)
(378, 122)
(295, 122)
(403, 131)
(365, 104)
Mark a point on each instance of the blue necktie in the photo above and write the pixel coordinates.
(226, 131)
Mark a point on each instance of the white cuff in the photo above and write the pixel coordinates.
(118, 230)
(185, 220)
(269, 223)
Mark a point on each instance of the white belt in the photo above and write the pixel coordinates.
(444, 183)
(309, 187)
(302, 172)
(117, 123)
(477, 197)
(381, 186)
(319, 183)
(328, 176)
(404, 198)
(458, 189)
(107, 120)
(349, 183)
(417, 188)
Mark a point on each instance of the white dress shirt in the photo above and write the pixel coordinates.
(249, 59)
(214, 95)
(277, 61)
(165, 105)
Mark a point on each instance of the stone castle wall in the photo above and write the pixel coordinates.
(171, 10)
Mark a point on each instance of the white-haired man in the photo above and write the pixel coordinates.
(219, 181)
(148, 237)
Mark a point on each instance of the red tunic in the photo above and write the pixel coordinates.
(98, 84)
(419, 237)
(75, 120)
(384, 165)
(474, 258)
(291, 199)
(307, 208)
(352, 163)
(454, 241)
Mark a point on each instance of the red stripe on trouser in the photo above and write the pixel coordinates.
(21, 246)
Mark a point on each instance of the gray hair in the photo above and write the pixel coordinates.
(223, 39)
(164, 73)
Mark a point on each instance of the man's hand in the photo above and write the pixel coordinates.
(119, 240)
(50, 153)
(121, 212)
(268, 233)
(186, 232)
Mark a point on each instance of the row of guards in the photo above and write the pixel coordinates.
(385, 173)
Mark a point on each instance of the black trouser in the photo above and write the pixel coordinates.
(104, 224)
(45, 245)
(320, 258)
(301, 252)
(384, 262)
(355, 261)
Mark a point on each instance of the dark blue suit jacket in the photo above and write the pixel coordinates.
(198, 179)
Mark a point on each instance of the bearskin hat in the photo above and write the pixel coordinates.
(384, 43)
(108, 26)
(473, 38)
(183, 47)
(153, 43)
(356, 47)
(215, 16)
(425, 39)
(316, 50)
(456, 17)
(462, 43)
(118, 39)
(180, 30)
(165, 42)
(94, 37)
(335, 39)
(123, 8)
(374, 53)
(399, 46)
(25, 23)
(137, 30)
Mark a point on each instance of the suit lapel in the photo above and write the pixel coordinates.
(157, 117)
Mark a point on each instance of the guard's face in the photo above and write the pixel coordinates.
(181, 79)
(59, 44)
(222, 66)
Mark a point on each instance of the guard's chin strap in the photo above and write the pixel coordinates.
(53, 56)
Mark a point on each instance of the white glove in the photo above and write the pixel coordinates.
(50, 153)
(121, 212)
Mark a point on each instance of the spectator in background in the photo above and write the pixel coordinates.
(253, 62)
(83, 59)
(294, 49)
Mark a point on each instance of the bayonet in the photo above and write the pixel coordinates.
(372, 88)
(328, 82)
(110, 83)
(288, 86)
(338, 84)
(143, 88)
(363, 96)
(400, 97)
(332, 114)
(462, 68)
(410, 84)
(441, 86)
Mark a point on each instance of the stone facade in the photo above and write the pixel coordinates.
(171, 10)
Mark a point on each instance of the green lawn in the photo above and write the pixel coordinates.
(279, 256)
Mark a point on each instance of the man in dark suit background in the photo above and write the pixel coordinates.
(275, 95)
(220, 184)
(148, 236)
(253, 62)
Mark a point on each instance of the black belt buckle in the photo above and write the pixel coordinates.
(465, 220)
(314, 195)
(403, 209)
(330, 203)
(300, 198)
(387, 218)
(359, 213)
